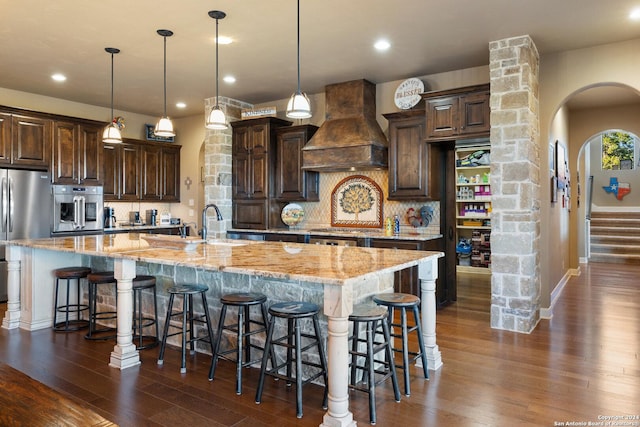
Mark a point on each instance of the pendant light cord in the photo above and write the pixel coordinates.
(165, 75)
(298, 20)
(112, 118)
(217, 62)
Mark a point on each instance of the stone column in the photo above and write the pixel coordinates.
(515, 184)
(217, 164)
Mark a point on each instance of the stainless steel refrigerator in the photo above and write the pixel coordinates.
(25, 211)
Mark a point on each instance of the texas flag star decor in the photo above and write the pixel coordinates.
(619, 189)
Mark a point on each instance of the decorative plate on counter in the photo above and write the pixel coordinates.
(292, 214)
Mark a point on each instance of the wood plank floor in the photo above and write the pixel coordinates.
(581, 365)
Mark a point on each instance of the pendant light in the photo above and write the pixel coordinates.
(164, 127)
(299, 106)
(111, 133)
(216, 118)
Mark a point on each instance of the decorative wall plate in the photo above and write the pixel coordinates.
(408, 93)
(357, 202)
(292, 214)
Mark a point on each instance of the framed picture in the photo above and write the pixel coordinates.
(357, 202)
(561, 165)
(552, 159)
(554, 189)
(151, 136)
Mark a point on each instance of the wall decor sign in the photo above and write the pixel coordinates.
(151, 136)
(408, 93)
(618, 189)
(252, 113)
(357, 202)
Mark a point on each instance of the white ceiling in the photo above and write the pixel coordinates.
(39, 38)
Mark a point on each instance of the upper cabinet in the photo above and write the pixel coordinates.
(414, 164)
(457, 113)
(77, 153)
(25, 140)
(253, 169)
(140, 170)
(292, 183)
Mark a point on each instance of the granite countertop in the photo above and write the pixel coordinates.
(420, 234)
(128, 227)
(336, 265)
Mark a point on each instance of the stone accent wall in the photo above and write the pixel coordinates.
(515, 183)
(217, 164)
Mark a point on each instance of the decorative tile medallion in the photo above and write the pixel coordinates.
(357, 202)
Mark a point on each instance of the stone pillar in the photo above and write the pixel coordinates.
(217, 164)
(515, 184)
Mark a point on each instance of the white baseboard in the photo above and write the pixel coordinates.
(547, 313)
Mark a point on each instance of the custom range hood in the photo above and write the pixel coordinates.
(350, 139)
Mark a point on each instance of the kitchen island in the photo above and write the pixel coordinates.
(335, 277)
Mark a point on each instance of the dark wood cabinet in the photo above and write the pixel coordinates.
(414, 164)
(150, 172)
(25, 141)
(253, 169)
(122, 172)
(293, 183)
(457, 113)
(408, 280)
(170, 173)
(77, 153)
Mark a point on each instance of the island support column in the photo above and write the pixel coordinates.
(338, 305)
(428, 273)
(124, 354)
(12, 315)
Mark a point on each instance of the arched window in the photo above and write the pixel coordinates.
(618, 150)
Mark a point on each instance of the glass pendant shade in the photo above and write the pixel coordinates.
(299, 106)
(164, 128)
(112, 134)
(216, 119)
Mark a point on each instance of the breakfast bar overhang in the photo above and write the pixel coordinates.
(344, 276)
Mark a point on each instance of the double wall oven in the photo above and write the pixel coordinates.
(77, 210)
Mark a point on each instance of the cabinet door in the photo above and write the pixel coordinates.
(111, 186)
(65, 153)
(241, 174)
(90, 152)
(252, 214)
(170, 182)
(129, 172)
(5, 138)
(292, 183)
(475, 113)
(442, 117)
(150, 168)
(259, 162)
(31, 141)
(409, 167)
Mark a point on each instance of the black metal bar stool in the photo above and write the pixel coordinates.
(72, 310)
(293, 312)
(187, 291)
(243, 332)
(403, 302)
(140, 321)
(375, 371)
(100, 332)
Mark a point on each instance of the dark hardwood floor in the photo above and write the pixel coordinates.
(580, 366)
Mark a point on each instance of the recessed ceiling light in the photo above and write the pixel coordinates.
(382, 44)
(229, 79)
(59, 77)
(224, 40)
(635, 14)
(181, 105)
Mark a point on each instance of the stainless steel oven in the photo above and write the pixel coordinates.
(77, 210)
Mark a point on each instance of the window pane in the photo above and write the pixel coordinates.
(617, 150)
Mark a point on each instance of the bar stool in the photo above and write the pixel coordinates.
(94, 279)
(140, 322)
(404, 302)
(187, 291)
(242, 329)
(72, 310)
(372, 317)
(293, 312)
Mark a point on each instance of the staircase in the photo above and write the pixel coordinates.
(615, 237)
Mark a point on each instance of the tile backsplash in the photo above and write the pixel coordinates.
(318, 214)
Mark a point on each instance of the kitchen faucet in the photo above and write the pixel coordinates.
(203, 232)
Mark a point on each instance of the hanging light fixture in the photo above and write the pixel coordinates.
(111, 133)
(216, 118)
(299, 106)
(164, 127)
